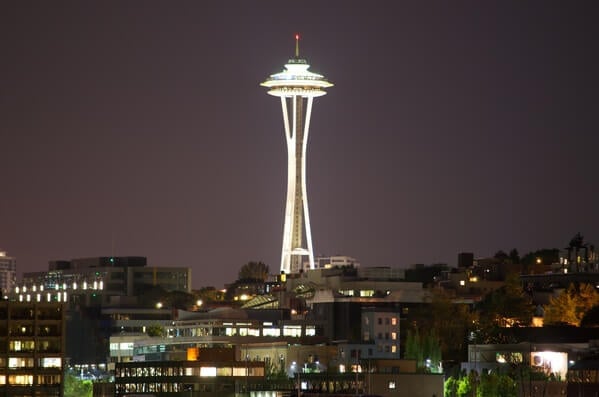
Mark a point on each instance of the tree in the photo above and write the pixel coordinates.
(450, 321)
(591, 318)
(501, 256)
(180, 299)
(487, 385)
(210, 294)
(75, 387)
(254, 271)
(545, 256)
(506, 306)
(571, 305)
(155, 330)
(514, 256)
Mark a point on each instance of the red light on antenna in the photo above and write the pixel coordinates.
(297, 36)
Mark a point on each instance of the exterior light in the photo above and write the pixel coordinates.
(199, 302)
(159, 305)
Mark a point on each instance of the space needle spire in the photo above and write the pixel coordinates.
(297, 87)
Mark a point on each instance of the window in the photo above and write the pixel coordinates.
(387, 335)
(387, 321)
(380, 320)
(391, 384)
(393, 348)
(366, 335)
(393, 320)
(50, 362)
(292, 330)
(394, 335)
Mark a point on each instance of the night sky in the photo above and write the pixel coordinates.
(140, 128)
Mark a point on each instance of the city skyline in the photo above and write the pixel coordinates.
(130, 130)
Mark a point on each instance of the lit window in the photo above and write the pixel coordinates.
(207, 371)
(391, 384)
(393, 320)
(394, 335)
(271, 332)
(292, 330)
(253, 332)
(393, 348)
(51, 362)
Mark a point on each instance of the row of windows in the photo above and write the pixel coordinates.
(25, 313)
(31, 346)
(30, 362)
(31, 330)
(47, 380)
(149, 387)
(203, 372)
(288, 330)
(387, 336)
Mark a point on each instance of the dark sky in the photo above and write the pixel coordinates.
(140, 128)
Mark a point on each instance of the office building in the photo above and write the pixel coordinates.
(32, 341)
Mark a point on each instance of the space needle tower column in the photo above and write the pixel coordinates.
(297, 87)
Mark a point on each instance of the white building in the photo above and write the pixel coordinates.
(328, 262)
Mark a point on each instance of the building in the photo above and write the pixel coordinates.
(32, 341)
(327, 262)
(100, 292)
(297, 87)
(102, 281)
(196, 377)
(8, 273)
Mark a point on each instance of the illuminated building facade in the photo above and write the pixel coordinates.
(93, 289)
(101, 280)
(187, 378)
(297, 87)
(32, 341)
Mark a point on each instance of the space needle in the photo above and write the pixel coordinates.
(297, 87)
